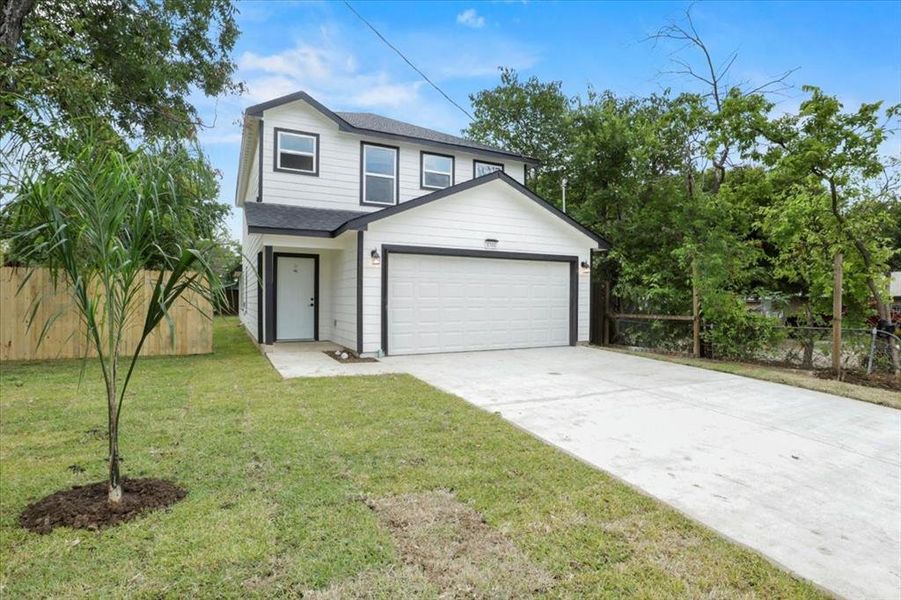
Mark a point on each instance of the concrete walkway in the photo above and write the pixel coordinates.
(811, 480)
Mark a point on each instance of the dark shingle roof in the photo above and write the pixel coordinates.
(275, 218)
(376, 125)
(373, 122)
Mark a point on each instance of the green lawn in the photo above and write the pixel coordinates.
(283, 476)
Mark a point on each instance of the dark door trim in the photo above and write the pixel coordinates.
(573, 261)
(269, 295)
(359, 292)
(275, 258)
(259, 297)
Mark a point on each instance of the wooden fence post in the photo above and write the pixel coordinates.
(695, 310)
(837, 267)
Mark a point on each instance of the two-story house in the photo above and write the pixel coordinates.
(383, 236)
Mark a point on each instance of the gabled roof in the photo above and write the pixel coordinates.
(265, 217)
(362, 221)
(369, 124)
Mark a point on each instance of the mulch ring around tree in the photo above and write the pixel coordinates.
(86, 506)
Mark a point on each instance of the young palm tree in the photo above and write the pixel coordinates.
(97, 223)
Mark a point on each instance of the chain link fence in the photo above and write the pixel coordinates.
(664, 336)
(864, 351)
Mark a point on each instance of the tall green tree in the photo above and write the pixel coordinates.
(119, 70)
(829, 164)
(97, 223)
(530, 117)
(130, 64)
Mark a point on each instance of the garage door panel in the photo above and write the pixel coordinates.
(451, 304)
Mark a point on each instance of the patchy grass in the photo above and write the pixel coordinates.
(795, 377)
(454, 548)
(294, 485)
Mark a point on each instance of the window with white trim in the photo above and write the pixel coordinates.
(379, 175)
(437, 171)
(480, 168)
(296, 152)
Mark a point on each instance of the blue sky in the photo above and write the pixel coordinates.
(851, 49)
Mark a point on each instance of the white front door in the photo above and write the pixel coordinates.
(295, 298)
(453, 304)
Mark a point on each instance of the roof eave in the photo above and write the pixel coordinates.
(290, 231)
(244, 165)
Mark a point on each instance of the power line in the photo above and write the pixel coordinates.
(407, 60)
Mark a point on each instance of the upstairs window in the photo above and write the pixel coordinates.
(296, 152)
(379, 178)
(480, 167)
(437, 171)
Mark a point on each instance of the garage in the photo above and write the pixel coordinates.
(446, 300)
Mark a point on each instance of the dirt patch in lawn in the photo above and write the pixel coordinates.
(446, 546)
(86, 506)
(884, 381)
(351, 357)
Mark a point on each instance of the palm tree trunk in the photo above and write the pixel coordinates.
(115, 484)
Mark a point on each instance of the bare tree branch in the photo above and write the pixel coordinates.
(714, 77)
(779, 81)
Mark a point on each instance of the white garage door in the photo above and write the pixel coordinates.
(454, 304)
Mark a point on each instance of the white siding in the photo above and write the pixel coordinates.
(251, 244)
(465, 220)
(338, 182)
(344, 293)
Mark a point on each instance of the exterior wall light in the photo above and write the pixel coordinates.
(584, 267)
(491, 243)
(375, 258)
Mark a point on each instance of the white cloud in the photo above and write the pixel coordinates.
(327, 72)
(470, 18)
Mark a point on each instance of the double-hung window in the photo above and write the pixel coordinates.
(481, 167)
(296, 152)
(379, 177)
(437, 171)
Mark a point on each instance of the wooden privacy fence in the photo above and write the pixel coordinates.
(193, 330)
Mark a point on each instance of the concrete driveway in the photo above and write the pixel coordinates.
(811, 480)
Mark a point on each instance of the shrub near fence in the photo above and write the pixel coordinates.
(64, 338)
(807, 348)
